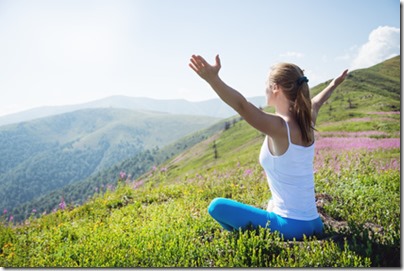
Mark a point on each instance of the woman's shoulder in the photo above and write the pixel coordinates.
(295, 133)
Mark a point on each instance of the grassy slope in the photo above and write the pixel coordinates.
(163, 222)
(41, 156)
(376, 89)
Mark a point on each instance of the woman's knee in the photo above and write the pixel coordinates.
(216, 205)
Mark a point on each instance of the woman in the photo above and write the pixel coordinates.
(286, 154)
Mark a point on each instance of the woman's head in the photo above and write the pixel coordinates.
(290, 79)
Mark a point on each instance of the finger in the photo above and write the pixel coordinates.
(344, 74)
(202, 61)
(196, 64)
(193, 67)
(218, 61)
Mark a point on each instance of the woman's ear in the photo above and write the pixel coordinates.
(275, 88)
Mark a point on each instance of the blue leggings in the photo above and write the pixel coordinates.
(233, 215)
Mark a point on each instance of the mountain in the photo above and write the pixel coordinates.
(78, 192)
(46, 154)
(160, 218)
(213, 108)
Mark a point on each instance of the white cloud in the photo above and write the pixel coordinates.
(383, 43)
(292, 54)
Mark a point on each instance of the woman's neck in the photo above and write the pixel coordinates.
(283, 111)
(282, 106)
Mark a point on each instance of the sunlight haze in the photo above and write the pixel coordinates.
(69, 51)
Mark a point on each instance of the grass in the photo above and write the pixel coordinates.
(164, 222)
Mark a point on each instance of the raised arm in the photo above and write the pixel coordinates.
(323, 96)
(266, 123)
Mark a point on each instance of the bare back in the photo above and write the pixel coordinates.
(279, 145)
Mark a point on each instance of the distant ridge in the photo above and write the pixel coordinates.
(211, 108)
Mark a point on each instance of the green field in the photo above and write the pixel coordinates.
(161, 219)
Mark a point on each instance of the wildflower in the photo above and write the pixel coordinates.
(11, 218)
(62, 204)
(347, 143)
(34, 211)
(164, 169)
(122, 175)
(247, 172)
(137, 184)
(352, 134)
(5, 211)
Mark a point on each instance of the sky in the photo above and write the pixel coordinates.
(62, 52)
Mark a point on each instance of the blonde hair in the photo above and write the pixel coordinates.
(292, 81)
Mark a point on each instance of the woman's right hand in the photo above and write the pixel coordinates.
(205, 70)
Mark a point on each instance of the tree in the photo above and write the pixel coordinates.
(216, 155)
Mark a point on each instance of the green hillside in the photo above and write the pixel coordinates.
(79, 192)
(41, 156)
(371, 90)
(160, 219)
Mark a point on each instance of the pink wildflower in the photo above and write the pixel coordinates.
(350, 134)
(348, 143)
(122, 175)
(62, 204)
(248, 172)
(137, 184)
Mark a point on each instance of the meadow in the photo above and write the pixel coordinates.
(161, 219)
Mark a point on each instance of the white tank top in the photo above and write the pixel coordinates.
(291, 180)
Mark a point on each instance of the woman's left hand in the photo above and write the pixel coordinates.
(338, 80)
(205, 70)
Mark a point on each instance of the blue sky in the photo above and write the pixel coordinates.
(56, 52)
